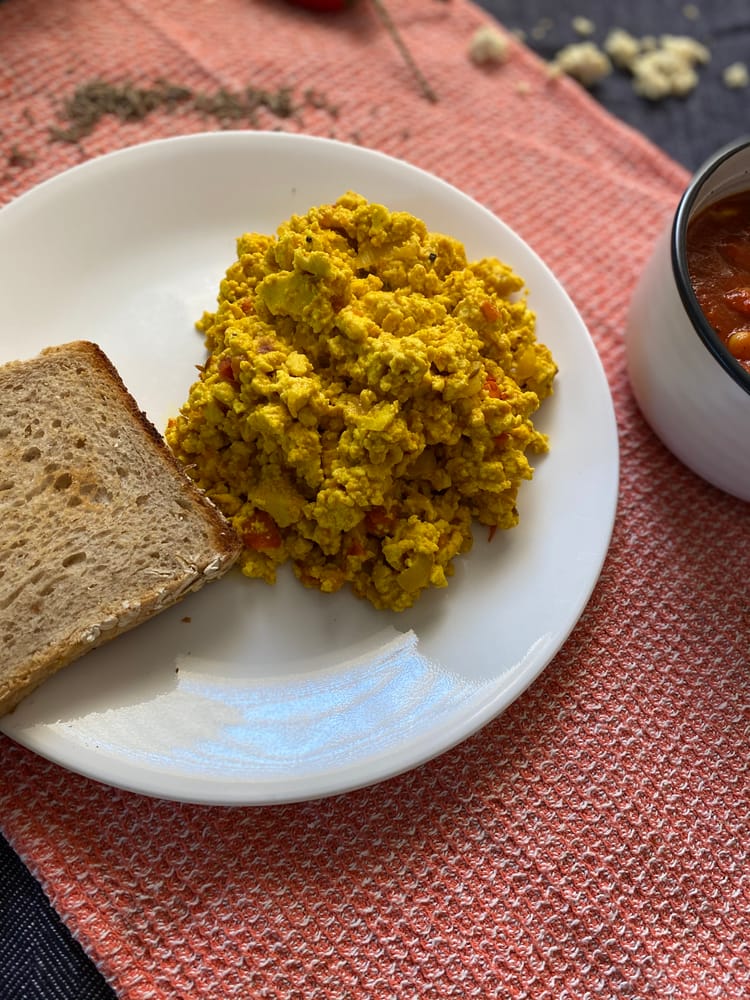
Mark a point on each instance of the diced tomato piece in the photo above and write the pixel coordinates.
(261, 532)
(379, 522)
(493, 389)
(229, 370)
(739, 300)
(225, 369)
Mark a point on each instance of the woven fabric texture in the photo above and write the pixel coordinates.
(592, 841)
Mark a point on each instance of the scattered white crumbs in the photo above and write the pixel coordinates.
(584, 61)
(669, 70)
(661, 74)
(736, 76)
(541, 28)
(583, 26)
(661, 67)
(488, 46)
(686, 49)
(622, 47)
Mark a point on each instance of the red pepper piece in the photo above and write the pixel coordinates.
(261, 532)
(379, 522)
(320, 4)
(229, 370)
(493, 389)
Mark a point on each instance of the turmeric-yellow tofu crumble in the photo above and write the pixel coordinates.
(367, 395)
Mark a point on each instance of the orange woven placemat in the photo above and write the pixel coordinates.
(591, 842)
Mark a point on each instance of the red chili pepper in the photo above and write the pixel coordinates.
(387, 21)
(320, 4)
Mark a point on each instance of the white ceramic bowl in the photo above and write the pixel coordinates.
(691, 390)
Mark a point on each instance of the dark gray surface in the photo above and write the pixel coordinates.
(689, 129)
(38, 958)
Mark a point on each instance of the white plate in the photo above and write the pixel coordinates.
(273, 694)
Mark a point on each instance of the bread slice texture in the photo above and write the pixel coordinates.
(100, 528)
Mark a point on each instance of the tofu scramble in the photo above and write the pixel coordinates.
(367, 395)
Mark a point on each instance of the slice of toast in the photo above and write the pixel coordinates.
(100, 528)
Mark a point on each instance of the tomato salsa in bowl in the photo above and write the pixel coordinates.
(711, 259)
(718, 257)
(688, 327)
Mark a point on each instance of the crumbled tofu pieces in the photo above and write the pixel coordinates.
(584, 61)
(660, 67)
(688, 49)
(736, 76)
(669, 70)
(660, 74)
(583, 26)
(622, 47)
(488, 46)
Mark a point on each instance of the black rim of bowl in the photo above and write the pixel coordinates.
(705, 331)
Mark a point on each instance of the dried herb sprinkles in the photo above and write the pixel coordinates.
(90, 102)
(18, 157)
(80, 112)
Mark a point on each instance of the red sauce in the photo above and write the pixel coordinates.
(718, 255)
